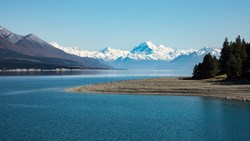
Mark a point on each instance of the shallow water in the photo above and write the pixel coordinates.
(37, 108)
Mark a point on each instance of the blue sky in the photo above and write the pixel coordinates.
(95, 24)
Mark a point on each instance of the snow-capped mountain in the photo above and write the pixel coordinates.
(4, 32)
(149, 51)
(32, 52)
(146, 55)
(145, 51)
(73, 50)
(14, 38)
(8, 35)
(106, 54)
(212, 50)
(197, 56)
(111, 54)
(187, 62)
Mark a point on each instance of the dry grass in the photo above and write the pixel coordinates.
(171, 86)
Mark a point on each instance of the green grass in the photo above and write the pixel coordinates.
(223, 76)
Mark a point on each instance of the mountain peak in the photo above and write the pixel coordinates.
(2, 28)
(208, 49)
(145, 47)
(148, 43)
(106, 49)
(11, 34)
(4, 32)
(14, 38)
(33, 37)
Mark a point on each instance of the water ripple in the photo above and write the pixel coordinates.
(31, 91)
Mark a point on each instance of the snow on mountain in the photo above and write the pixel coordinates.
(106, 54)
(33, 38)
(144, 48)
(4, 32)
(146, 55)
(11, 37)
(14, 38)
(197, 56)
(74, 50)
(188, 61)
(149, 51)
(212, 50)
(111, 54)
(32, 52)
(145, 51)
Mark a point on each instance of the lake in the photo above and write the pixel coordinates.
(35, 107)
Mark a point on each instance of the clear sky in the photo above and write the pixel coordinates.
(123, 24)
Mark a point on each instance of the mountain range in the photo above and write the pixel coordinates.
(146, 55)
(31, 52)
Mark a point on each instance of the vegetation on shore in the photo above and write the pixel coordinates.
(234, 62)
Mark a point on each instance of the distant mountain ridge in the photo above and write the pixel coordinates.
(18, 51)
(31, 52)
(146, 55)
(106, 54)
(145, 51)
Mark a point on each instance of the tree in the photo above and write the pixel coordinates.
(198, 71)
(224, 58)
(246, 63)
(243, 51)
(207, 69)
(233, 59)
(211, 66)
(195, 71)
(233, 68)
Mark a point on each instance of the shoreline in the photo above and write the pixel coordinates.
(170, 86)
(48, 70)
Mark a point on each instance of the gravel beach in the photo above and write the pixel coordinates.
(171, 86)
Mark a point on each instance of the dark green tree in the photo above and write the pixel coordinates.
(233, 68)
(195, 71)
(207, 69)
(234, 61)
(233, 58)
(243, 51)
(211, 66)
(198, 71)
(246, 63)
(224, 58)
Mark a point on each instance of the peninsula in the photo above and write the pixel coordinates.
(171, 86)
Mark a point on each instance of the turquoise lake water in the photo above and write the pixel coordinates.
(37, 108)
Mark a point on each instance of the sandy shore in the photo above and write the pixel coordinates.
(171, 86)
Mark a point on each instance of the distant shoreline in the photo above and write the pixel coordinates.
(37, 70)
(48, 70)
(170, 86)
